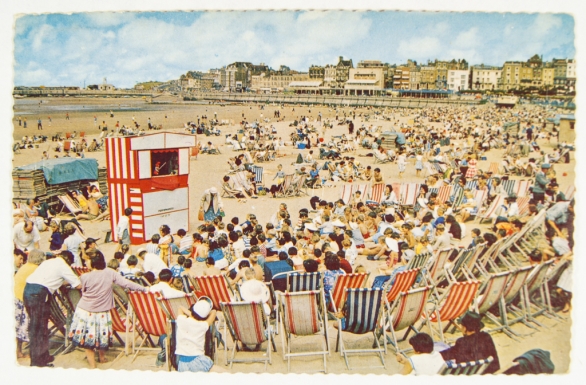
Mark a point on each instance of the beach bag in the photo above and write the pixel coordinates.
(200, 215)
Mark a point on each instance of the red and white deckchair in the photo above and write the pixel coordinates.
(80, 270)
(405, 312)
(522, 188)
(491, 210)
(444, 193)
(409, 193)
(493, 168)
(455, 301)
(376, 192)
(403, 282)
(523, 204)
(248, 326)
(346, 193)
(343, 282)
(151, 318)
(215, 287)
(302, 317)
(436, 272)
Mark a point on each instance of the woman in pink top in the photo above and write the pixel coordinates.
(91, 327)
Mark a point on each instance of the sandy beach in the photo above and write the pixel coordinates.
(207, 170)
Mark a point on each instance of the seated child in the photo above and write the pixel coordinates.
(131, 270)
(178, 268)
(425, 361)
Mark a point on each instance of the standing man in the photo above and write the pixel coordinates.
(19, 121)
(41, 284)
(39, 124)
(541, 182)
(67, 116)
(351, 127)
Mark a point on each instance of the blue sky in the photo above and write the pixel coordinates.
(59, 49)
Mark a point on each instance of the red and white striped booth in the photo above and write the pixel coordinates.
(149, 174)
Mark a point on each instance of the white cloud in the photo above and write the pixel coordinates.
(420, 48)
(467, 39)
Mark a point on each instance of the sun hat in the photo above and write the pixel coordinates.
(338, 223)
(310, 227)
(213, 190)
(254, 291)
(202, 307)
(546, 165)
(141, 250)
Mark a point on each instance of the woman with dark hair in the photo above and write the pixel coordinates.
(455, 228)
(389, 196)
(91, 327)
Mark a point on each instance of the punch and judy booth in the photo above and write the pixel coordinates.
(150, 175)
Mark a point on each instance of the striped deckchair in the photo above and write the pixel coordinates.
(408, 193)
(436, 272)
(480, 197)
(457, 196)
(288, 188)
(346, 193)
(376, 192)
(363, 315)
(419, 261)
(491, 291)
(258, 175)
(493, 168)
(215, 287)
(404, 312)
(509, 186)
(443, 193)
(152, 320)
(71, 204)
(403, 282)
(455, 301)
(120, 317)
(302, 317)
(343, 282)
(248, 326)
(523, 204)
(491, 210)
(471, 184)
(80, 270)
(303, 281)
(522, 188)
(570, 192)
(537, 284)
(514, 288)
(466, 368)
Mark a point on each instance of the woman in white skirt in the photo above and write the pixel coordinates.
(91, 327)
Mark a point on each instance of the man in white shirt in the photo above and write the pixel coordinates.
(151, 262)
(40, 285)
(26, 236)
